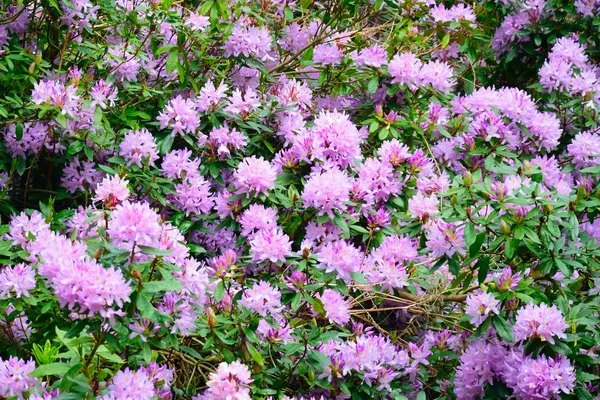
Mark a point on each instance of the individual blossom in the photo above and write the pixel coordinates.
(17, 280)
(438, 74)
(394, 152)
(480, 364)
(540, 378)
(341, 257)
(225, 140)
(422, 207)
(263, 299)
(507, 280)
(242, 103)
(327, 54)
(373, 56)
(327, 191)
(480, 307)
(103, 94)
(139, 148)
(133, 224)
(193, 196)
(134, 385)
(197, 22)
(179, 164)
(18, 329)
(85, 286)
(405, 69)
(445, 238)
(250, 41)
(337, 309)
(585, 149)
(112, 190)
(257, 217)
(229, 381)
(80, 175)
(123, 63)
(23, 228)
(540, 322)
(254, 175)
(270, 244)
(14, 377)
(210, 96)
(55, 93)
(180, 115)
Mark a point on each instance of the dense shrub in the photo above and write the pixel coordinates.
(299, 199)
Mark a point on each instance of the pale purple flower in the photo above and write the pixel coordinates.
(80, 175)
(337, 309)
(257, 217)
(134, 385)
(373, 56)
(405, 68)
(540, 378)
(14, 377)
(250, 41)
(585, 149)
(17, 280)
(197, 22)
(341, 257)
(133, 224)
(422, 207)
(254, 175)
(193, 196)
(210, 96)
(263, 299)
(139, 148)
(327, 191)
(270, 244)
(327, 54)
(103, 94)
(112, 190)
(480, 364)
(480, 306)
(540, 322)
(180, 115)
(229, 381)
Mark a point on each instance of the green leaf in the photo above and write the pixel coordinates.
(152, 251)
(373, 84)
(166, 144)
(161, 286)
(422, 395)
(255, 354)
(445, 41)
(509, 248)
(561, 348)
(219, 291)
(172, 61)
(54, 369)
(75, 147)
(476, 246)
(482, 266)
(504, 329)
(470, 234)
(19, 130)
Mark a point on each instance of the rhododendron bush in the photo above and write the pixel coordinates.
(299, 199)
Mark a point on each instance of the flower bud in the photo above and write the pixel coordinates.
(468, 179)
(31, 68)
(547, 208)
(212, 321)
(504, 228)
